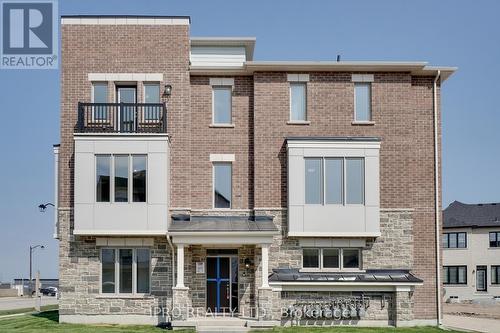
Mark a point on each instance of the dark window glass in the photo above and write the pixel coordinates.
(100, 95)
(142, 270)
(455, 275)
(121, 178)
(355, 180)
(495, 274)
(313, 180)
(152, 95)
(310, 258)
(125, 270)
(108, 270)
(139, 178)
(453, 240)
(103, 166)
(222, 105)
(331, 258)
(222, 185)
(350, 258)
(445, 241)
(462, 240)
(494, 239)
(333, 180)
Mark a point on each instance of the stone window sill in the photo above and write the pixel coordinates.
(124, 296)
(363, 123)
(298, 122)
(221, 126)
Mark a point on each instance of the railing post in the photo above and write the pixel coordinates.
(79, 124)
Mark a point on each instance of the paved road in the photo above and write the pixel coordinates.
(472, 323)
(9, 303)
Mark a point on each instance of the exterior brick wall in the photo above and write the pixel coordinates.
(403, 119)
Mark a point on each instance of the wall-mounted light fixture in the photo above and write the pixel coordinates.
(248, 263)
(168, 90)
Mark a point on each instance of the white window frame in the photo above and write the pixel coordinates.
(213, 184)
(230, 88)
(99, 83)
(298, 83)
(130, 191)
(331, 269)
(117, 271)
(370, 102)
(344, 182)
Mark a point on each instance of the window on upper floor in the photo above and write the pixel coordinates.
(495, 239)
(455, 274)
(495, 274)
(113, 174)
(298, 101)
(99, 95)
(331, 258)
(338, 181)
(222, 104)
(362, 101)
(454, 240)
(125, 271)
(152, 95)
(222, 180)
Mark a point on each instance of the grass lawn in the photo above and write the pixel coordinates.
(48, 322)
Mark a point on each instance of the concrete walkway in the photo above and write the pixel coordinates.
(11, 303)
(472, 324)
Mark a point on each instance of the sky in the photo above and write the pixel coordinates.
(445, 33)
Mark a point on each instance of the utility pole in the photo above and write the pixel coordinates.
(32, 248)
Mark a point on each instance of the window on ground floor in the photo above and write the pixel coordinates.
(125, 271)
(331, 258)
(495, 274)
(455, 274)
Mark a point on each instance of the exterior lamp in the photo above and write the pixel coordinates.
(168, 90)
(248, 263)
(43, 207)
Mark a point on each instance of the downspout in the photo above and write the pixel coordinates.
(173, 260)
(436, 197)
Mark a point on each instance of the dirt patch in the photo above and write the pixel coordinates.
(491, 311)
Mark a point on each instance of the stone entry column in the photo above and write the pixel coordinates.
(403, 306)
(265, 292)
(180, 292)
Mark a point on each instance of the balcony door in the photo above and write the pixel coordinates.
(127, 112)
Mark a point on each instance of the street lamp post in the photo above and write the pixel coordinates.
(32, 248)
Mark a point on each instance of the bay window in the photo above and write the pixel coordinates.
(113, 174)
(339, 181)
(125, 271)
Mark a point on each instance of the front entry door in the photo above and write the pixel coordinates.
(481, 278)
(222, 272)
(127, 111)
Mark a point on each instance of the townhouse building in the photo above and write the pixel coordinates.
(195, 179)
(471, 251)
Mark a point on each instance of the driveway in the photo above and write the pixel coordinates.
(10, 303)
(472, 323)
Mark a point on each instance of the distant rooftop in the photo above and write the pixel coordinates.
(461, 215)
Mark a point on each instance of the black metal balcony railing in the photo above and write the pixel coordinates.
(121, 118)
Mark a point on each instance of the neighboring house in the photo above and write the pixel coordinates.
(471, 251)
(192, 176)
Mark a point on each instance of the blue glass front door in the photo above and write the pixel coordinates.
(218, 284)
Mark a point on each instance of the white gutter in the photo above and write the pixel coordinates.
(56, 192)
(436, 197)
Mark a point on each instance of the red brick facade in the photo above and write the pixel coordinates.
(402, 109)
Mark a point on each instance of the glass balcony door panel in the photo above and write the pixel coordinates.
(481, 278)
(127, 114)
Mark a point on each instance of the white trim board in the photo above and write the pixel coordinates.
(125, 20)
(153, 77)
(222, 158)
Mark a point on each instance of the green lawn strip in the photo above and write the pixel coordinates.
(25, 310)
(48, 322)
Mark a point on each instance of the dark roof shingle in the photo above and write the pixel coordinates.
(461, 215)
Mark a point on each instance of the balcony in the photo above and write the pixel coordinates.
(121, 118)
